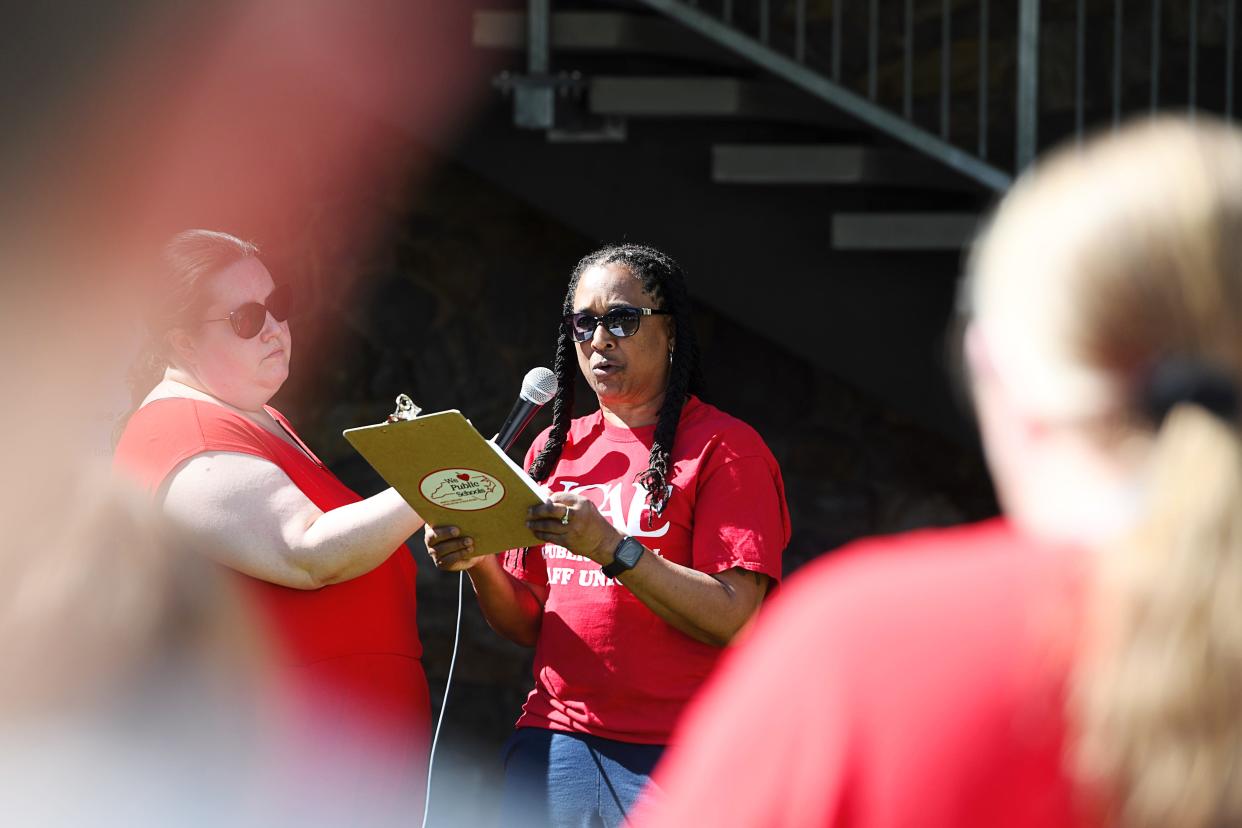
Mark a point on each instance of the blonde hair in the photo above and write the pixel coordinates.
(1102, 264)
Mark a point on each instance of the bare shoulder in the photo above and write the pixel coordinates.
(242, 510)
(218, 478)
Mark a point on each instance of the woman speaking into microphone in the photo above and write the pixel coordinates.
(662, 536)
(328, 570)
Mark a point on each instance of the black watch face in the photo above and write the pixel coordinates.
(629, 552)
(624, 558)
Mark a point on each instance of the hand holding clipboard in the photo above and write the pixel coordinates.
(450, 474)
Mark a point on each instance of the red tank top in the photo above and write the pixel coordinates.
(371, 614)
(352, 685)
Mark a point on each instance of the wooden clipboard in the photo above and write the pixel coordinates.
(451, 475)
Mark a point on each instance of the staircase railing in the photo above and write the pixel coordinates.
(982, 86)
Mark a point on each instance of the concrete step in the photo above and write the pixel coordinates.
(706, 97)
(600, 32)
(903, 231)
(828, 164)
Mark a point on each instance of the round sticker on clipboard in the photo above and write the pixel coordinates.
(462, 490)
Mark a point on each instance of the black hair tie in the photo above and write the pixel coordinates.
(1181, 380)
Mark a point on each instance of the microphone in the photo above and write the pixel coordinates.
(538, 387)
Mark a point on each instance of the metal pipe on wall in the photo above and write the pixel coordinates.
(1117, 38)
(1231, 25)
(1192, 82)
(836, 40)
(800, 31)
(1155, 55)
(873, 48)
(907, 81)
(1028, 82)
(1080, 70)
(946, 45)
(983, 79)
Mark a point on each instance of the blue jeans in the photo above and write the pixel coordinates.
(571, 780)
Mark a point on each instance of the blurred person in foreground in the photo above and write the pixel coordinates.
(1078, 661)
(132, 682)
(327, 571)
(664, 533)
(136, 683)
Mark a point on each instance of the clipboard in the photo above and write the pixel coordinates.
(451, 475)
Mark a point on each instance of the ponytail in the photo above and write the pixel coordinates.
(1156, 694)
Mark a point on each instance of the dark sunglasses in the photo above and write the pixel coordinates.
(622, 321)
(248, 320)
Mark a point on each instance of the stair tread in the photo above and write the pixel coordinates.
(599, 31)
(903, 230)
(828, 164)
(700, 96)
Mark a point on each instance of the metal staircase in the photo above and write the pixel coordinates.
(979, 62)
(861, 139)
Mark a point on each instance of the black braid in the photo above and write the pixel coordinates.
(665, 281)
(565, 366)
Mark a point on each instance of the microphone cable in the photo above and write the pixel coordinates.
(448, 683)
(538, 387)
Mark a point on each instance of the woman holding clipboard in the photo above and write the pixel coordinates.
(327, 570)
(663, 534)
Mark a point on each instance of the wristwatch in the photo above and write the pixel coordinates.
(625, 557)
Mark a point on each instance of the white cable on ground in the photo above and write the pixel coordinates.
(431, 759)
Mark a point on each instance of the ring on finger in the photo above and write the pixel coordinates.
(565, 519)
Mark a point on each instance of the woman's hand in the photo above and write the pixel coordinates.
(573, 522)
(449, 551)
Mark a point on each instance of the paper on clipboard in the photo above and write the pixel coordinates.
(451, 475)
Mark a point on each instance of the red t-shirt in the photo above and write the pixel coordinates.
(915, 680)
(351, 650)
(605, 664)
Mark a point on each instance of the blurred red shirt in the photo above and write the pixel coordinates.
(916, 680)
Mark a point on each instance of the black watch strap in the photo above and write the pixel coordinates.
(624, 557)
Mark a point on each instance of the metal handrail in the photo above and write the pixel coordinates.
(820, 85)
(1008, 124)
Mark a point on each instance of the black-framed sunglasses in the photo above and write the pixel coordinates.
(248, 320)
(622, 321)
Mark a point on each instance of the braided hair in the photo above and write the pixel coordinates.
(663, 279)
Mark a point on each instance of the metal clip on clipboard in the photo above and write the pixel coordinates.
(405, 410)
(451, 475)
